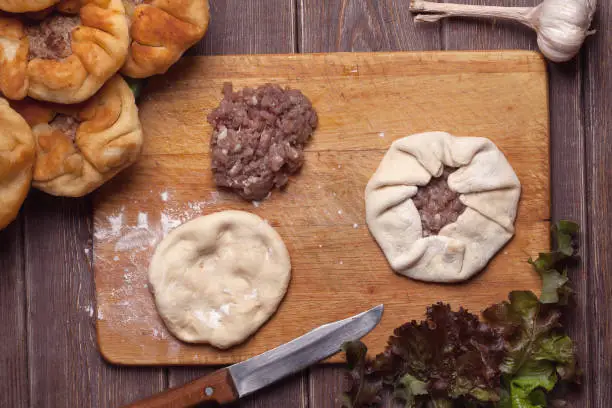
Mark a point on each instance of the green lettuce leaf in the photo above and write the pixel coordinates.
(559, 348)
(513, 358)
(524, 323)
(528, 385)
(410, 389)
(553, 266)
(538, 353)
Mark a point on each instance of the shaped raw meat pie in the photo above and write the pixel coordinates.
(441, 206)
(82, 146)
(162, 30)
(67, 55)
(16, 160)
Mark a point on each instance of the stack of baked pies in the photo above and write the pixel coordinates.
(68, 120)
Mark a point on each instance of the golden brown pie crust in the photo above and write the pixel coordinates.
(25, 6)
(99, 48)
(16, 160)
(161, 31)
(108, 139)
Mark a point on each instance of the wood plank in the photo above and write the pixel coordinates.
(290, 392)
(260, 26)
(567, 146)
(481, 34)
(65, 367)
(320, 214)
(568, 165)
(359, 25)
(598, 108)
(14, 386)
(249, 27)
(327, 383)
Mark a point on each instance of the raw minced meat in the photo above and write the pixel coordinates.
(259, 137)
(66, 124)
(438, 205)
(52, 38)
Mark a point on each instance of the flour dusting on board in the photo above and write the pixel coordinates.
(143, 220)
(169, 222)
(130, 236)
(147, 229)
(113, 229)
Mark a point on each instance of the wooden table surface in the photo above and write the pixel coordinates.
(48, 352)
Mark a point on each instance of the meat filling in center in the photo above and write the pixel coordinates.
(66, 124)
(437, 204)
(52, 39)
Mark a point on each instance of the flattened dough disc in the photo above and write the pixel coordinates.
(217, 279)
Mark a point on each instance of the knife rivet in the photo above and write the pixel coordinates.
(209, 391)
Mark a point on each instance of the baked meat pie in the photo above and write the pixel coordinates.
(161, 31)
(67, 55)
(25, 6)
(16, 160)
(80, 147)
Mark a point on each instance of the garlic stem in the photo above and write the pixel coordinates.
(438, 11)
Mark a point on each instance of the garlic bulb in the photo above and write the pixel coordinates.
(561, 25)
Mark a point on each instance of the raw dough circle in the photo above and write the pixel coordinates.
(487, 185)
(16, 160)
(218, 278)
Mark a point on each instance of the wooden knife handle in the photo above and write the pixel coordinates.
(216, 389)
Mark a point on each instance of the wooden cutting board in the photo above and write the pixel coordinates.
(365, 101)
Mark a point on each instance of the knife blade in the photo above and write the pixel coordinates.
(239, 380)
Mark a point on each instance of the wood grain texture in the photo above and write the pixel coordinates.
(248, 27)
(598, 108)
(361, 25)
(356, 25)
(214, 389)
(567, 145)
(483, 34)
(65, 367)
(322, 212)
(568, 158)
(321, 32)
(290, 392)
(327, 383)
(14, 385)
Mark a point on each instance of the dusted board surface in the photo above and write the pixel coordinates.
(364, 101)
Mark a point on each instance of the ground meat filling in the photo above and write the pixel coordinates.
(259, 137)
(438, 205)
(130, 6)
(52, 39)
(66, 124)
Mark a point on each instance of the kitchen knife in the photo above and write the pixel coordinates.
(234, 382)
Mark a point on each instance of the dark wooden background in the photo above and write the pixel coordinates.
(48, 354)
